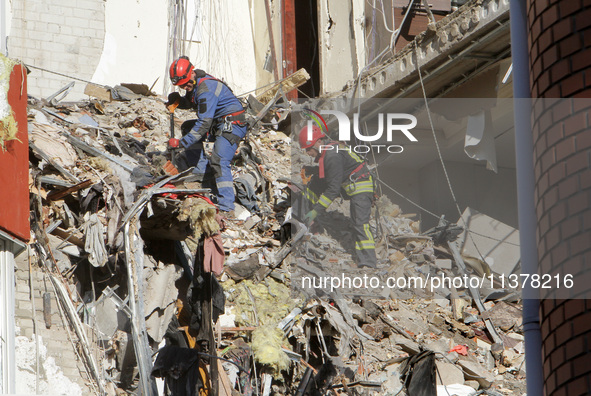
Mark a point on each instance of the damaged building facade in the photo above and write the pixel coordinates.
(14, 223)
(120, 245)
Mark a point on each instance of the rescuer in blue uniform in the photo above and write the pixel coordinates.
(220, 119)
(344, 174)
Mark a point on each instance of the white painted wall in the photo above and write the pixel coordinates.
(136, 35)
(125, 41)
(261, 40)
(341, 42)
(359, 25)
(227, 46)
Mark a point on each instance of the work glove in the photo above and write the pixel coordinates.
(311, 170)
(173, 97)
(310, 216)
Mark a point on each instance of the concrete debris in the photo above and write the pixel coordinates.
(161, 294)
(482, 239)
(51, 379)
(115, 225)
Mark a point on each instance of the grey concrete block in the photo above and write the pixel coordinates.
(449, 374)
(20, 296)
(23, 288)
(27, 305)
(28, 333)
(22, 276)
(23, 313)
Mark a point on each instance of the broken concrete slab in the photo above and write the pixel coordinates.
(161, 293)
(497, 242)
(474, 371)
(448, 373)
(504, 315)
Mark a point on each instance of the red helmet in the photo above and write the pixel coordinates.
(308, 141)
(181, 71)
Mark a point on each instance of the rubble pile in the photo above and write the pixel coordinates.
(140, 257)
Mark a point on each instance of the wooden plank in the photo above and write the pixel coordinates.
(225, 387)
(237, 329)
(290, 83)
(56, 195)
(98, 91)
(68, 236)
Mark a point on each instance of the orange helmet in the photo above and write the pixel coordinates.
(181, 71)
(308, 141)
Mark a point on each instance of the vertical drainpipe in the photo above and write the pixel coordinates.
(525, 194)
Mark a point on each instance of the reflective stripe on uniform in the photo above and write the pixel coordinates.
(365, 245)
(218, 89)
(359, 187)
(324, 201)
(369, 243)
(310, 195)
(226, 184)
(355, 157)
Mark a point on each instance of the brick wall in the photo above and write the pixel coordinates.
(56, 338)
(560, 60)
(560, 38)
(62, 36)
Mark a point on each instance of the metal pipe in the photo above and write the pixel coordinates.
(525, 194)
(7, 337)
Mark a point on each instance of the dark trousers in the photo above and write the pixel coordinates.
(365, 246)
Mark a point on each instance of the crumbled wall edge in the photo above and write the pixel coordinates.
(8, 129)
(8, 125)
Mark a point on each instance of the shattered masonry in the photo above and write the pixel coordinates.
(103, 228)
(129, 258)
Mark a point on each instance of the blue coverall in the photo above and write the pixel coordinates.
(213, 101)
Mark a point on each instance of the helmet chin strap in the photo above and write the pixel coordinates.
(194, 77)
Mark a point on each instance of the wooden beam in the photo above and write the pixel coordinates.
(56, 195)
(290, 83)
